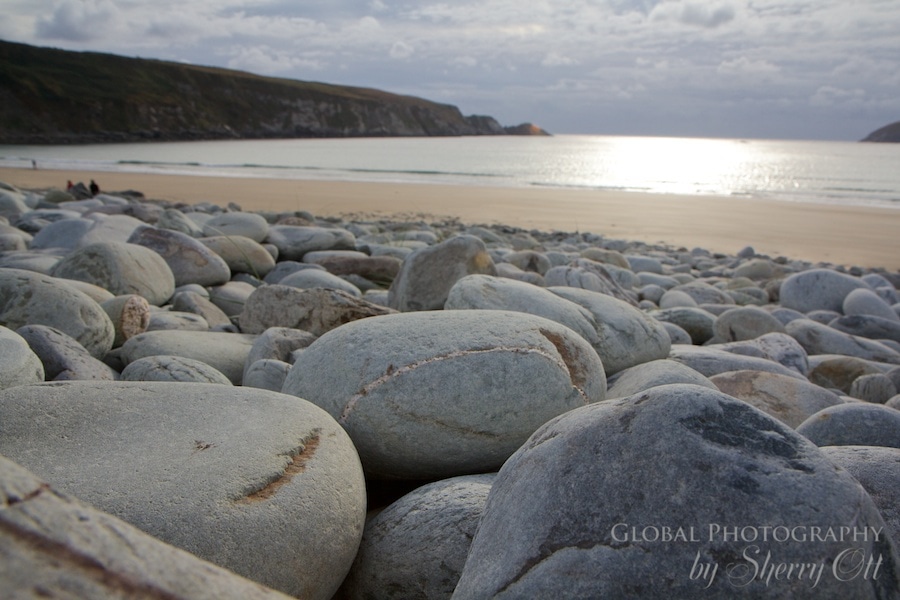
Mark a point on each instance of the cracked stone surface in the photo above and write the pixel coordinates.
(263, 484)
(438, 394)
(566, 514)
(52, 544)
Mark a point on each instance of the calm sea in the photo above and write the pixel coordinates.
(833, 172)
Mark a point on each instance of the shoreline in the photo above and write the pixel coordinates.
(842, 235)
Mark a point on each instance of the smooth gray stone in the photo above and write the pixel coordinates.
(835, 371)
(231, 297)
(437, 394)
(313, 310)
(529, 260)
(94, 292)
(12, 204)
(66, 233)
(110, 228)
(864, 301)
(703, 293)
(664, 281)
(172, 368)
(709, 361)
(19, 365)
(677, 335)
(266, 374)
(574, 277)
(786, 315)
(225, 352)
(854, 424)
(189, 260)
(873, 328)
(876, 281)
(513, 272)
(873, 387)
(121, 269)
(64, 359)
(778, 347)
(243, 224)
(284, 268)
(787, 399)
(620, 334)
(817, 338)
(618, 283)
(247, 479)
(12, 243)
(758, 269)
(626, 336)
(55, 546)
(699, 323)
(606, 256)
(242, 254)
(313, 278)
(164, 320)
(749, 296)
(877, 469)
(558, 520)
(417, 546)
(35, 220)
(173, 219)
(823, 316)
(37, 262)
(642, 377)
(644, 264)
(326, 255)
(294, 241)
(427, 275)
(652, 293)
(745, 323)
(277, 343)
(193, 302)
(818, 289)
(34, 299)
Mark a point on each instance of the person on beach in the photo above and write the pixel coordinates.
(34, 164)
(95, 189)
(69, 185)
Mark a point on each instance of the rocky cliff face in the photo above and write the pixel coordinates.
(54, 96)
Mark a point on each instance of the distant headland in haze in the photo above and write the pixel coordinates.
(52, 96)
(888, 133)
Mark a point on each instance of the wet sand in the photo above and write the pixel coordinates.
(863, 236)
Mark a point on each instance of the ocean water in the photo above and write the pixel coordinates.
(848, 173)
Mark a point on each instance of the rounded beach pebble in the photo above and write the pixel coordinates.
(856, 424)
(35, 299)
(579, 510)
(416, 547)
(172, 368)
(263, 484)
(19, 365)
(445, 393)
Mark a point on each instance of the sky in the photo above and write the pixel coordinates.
(781, 69)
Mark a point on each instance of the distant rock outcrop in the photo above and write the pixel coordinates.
(888, 133)
(54, 96)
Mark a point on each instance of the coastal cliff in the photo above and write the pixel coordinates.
(50, 96)
(888, 133)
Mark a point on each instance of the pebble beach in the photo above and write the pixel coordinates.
(247, 388)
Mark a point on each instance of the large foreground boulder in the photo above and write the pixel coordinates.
(677, 492)
(263, 484)
(55, 546)
(437, 394)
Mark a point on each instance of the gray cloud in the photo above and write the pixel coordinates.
(769, 68)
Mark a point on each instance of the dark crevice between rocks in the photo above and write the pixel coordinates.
(297, 461)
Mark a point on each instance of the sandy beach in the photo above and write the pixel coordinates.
(867, 237)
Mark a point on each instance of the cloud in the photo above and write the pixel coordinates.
(78, 20)
(744, 64)
(554, 59)
(693, 12)
(401, 50)
(828, 95)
